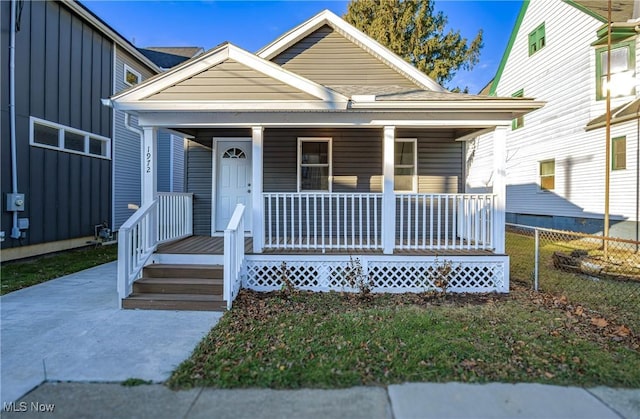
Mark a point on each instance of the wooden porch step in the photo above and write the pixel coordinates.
(162, 270)
(195, 302)
(161, 285)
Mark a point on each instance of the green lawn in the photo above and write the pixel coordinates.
(25, 273)
(329, 340)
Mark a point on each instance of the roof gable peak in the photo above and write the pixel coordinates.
(326, 17)
(217, 55)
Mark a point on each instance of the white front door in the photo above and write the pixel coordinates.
(233, 185)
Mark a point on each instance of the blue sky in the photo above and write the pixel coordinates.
(253, 24)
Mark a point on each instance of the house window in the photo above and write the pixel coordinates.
(314, 164)
(131, 76)
(622, 70)
(619, 153)
(54, 136)
(547, 175)
(519, 121)
(537, 40)
(405, 162)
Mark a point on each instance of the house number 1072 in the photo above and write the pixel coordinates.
(148, 159)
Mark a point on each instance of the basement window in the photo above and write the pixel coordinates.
(47, 134)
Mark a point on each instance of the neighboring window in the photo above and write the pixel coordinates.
(537, 40)
(622, 70)
(619, 153)
(405, 161)
(314, 164)
(59, 137)
(131, 76)
(548, 175)
(234, 153)
(519, 121)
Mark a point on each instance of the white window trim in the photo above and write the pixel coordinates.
(539, 181)
(415, 164)
(61, 130)
(328, 140)
(131, 70)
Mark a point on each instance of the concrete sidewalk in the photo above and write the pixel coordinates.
(452, 400)
(71, 329)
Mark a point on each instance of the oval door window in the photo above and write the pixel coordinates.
(234, 153)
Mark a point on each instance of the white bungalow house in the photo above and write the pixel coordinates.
(322, 153)
(556, 156)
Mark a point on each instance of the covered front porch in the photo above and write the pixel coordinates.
(399, 241)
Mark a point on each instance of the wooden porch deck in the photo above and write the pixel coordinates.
(206, 245)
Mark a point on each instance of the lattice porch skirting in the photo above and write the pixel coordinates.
(394, 274)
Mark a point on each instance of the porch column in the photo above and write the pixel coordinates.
(257, 215)
(149, 181)
(499, 186)
(388, 198)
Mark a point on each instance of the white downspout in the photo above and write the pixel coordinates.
(15, 230)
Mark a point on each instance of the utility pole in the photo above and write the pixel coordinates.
(607, 153)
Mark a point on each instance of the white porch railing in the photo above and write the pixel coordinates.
(323, 221)
(444, 221)
(233, 255)
(175, 216)
(168, 217)
(351, 221)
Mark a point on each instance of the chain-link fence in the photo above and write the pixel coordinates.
(601, 274)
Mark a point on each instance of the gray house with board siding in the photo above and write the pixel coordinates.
(69, 164)
(323, 158)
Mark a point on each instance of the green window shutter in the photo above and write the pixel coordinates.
(619, 153)
(537, 40)
(519, 121)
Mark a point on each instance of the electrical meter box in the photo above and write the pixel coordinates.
(15, 202)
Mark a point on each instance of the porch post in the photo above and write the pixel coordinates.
(257, 215)
(499, 186)
(149, 165)
(388, 197)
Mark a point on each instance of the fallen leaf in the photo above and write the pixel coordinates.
(579, 311)
(599, 322)
(622, 330)
(549, 375)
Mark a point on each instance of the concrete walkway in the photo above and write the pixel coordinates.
(65, 345)
(452, 400)
(71, 329)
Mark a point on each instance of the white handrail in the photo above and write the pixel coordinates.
(137, 241)
(233, 255)
(445, 221)
(168, 217)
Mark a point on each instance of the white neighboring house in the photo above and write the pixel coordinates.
(556, 154)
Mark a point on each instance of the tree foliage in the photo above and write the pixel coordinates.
(414, 30)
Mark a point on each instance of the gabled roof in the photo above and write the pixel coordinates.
(328, 18)
(627, 112)
(178, 88)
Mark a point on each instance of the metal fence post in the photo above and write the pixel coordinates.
(536, 258)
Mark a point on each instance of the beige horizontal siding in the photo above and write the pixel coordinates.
(328, 58)
(231, 80)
